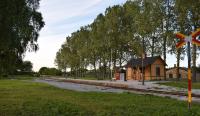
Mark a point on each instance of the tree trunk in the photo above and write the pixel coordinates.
(194, 52)
(104, 68)
(178, 64)
(164, 54)
(166, 37)
(114, 61)
(65, 72)
(152, 47)
(95, 69)
(120, 59)
(75, 73)
(109, 65)
(99, 72)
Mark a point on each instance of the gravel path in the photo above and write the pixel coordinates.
(80, 87)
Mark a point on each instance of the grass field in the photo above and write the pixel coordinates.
(20, 77)
(26, 98)
(182, 84)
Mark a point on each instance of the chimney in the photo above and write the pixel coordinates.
(174, 65)
(144, 55)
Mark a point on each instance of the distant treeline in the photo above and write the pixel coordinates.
(49, 71)
(129, 30)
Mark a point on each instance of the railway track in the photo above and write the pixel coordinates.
(125, 87)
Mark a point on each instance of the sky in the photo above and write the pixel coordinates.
(63, 17)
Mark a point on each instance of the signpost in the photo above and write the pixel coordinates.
(183, 40)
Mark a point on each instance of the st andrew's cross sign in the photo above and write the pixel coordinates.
(183, 40)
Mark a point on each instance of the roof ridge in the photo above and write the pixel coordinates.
(147, 61)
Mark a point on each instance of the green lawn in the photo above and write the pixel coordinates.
(20, 77)
(182, 84)
(26, 98)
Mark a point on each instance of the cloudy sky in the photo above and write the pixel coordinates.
(62, 17)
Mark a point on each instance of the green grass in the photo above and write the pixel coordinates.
(87, 78)
(20, 77)
(23, 77)
(182, 84)
(26, 98)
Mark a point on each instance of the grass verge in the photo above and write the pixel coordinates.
(26, 98)
(90, 78)
(181, 84)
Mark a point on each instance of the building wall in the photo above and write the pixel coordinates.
(137, 74)
(133, 74)
(160, 64)
(182, 72)
(150, 72)
(129, 73)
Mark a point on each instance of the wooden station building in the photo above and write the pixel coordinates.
(153, 68)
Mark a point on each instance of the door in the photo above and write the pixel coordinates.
(122, 76)
(157, 72)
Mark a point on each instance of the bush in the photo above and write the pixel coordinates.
(50, 71)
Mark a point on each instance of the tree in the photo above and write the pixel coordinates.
(43, 70)
(50, 71)
(20, 24)
(188, 16)
(26, 66)
(126, 30)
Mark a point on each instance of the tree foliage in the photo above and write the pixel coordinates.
(25, 66)
(20, 24)
(120, 32)
(50, 71)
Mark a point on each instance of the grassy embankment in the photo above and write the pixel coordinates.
(90, 78)
(181, 84)
(26, 98)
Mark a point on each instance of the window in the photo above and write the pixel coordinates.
(170, 75)
(157, 71)
(180, 76)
